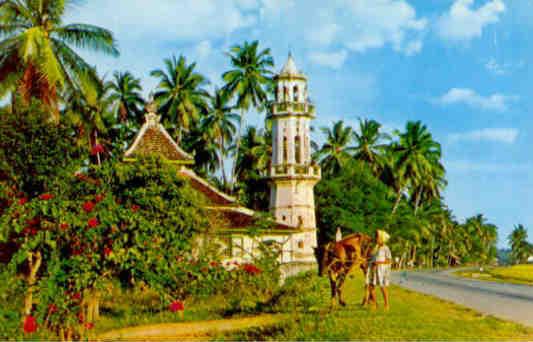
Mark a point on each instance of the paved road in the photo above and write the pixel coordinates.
(506, 301)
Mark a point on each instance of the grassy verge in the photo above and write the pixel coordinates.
(412, 316)
(517, 274)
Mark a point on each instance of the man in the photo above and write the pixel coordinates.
(378, 273)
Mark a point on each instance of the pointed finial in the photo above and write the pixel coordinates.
(151, 116)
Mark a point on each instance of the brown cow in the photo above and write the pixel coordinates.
(338, 259)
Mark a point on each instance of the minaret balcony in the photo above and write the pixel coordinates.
(296, 171)
(298, 108)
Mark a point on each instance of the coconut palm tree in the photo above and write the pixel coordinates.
(369, 144)
(337, 149)
(248, 81)
(416, 154)
(89, 108)
(220, 124)
(520, 248)
(180, 95)
(125, 93)
(36, 46)
(253, 162)
(256, 153)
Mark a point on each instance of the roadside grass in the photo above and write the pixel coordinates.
(517, 274)
(413, 316)
(120, 309)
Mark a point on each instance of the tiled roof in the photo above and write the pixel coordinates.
(153, 138)
(243, 218)
(215, 196)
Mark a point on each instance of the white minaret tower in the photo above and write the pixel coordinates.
(293, 175)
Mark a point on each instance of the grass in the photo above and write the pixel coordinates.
(517, 274)
(133, 308)
(412, 316)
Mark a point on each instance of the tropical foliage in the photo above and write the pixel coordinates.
(74, 217)
(37, 57)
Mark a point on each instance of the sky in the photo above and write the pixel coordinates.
(462, 67)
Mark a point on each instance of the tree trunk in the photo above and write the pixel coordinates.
(221, 160)
(237, 150)
(417, 200)
(34, 263)
(397, 203)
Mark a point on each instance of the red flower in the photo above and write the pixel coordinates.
(176, 306)
(93, 222)
(46, 197)
(88, 206)
(30, 325)
(213, 264)
(135, 208)
(99, 198)
(52, 309)
(30, 230)
(81, 318)
(23, 201)
(33, 222)
(107, 251)
(97, 149)
(251, 269)
(77, 251)
(89, 325)
(63, 226)
(77, 296)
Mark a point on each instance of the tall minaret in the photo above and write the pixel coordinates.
(293, 175)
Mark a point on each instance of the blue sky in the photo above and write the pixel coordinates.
(460, 66)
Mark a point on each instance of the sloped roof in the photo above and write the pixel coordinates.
(216, 196)
(244, 218)
(290, 69)
(153, 138)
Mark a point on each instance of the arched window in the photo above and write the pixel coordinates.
(295, 94)
(285, 94)
(285, 150)
(298, 155)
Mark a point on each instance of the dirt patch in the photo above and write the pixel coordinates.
(199, 330)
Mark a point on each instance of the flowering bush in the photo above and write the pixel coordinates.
(73, 238)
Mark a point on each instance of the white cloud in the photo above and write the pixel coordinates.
(373, 24)
(324, 34)
(167, 20)
(463, 22)
(502, 135)
(203, 49)
(333, 60)
(500, 69)
(469, 97)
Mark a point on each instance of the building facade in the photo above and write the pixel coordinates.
(293, 175)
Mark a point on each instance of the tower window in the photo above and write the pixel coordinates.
(295, 93)
(297, 144)
(285, 150)
(300, 244)
(285, 94)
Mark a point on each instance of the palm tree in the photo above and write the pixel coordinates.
(416, 154)
(520, 248)
(252, 165)
(125, 93)
(180, 94)
(368, 144)
(220, 125)
(204, 148)
(336, 150)
(36, 47)
(248, 81)
(89, 108)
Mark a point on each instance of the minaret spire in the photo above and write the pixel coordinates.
(293, 174)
